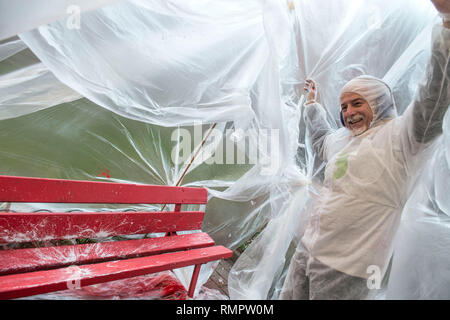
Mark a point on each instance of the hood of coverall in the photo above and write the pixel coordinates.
(377, 93)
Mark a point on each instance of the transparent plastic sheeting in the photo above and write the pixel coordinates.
(30, 89)
(421, 268)
(160, 66)
(166, 63)
(10, 48)
(23, 15)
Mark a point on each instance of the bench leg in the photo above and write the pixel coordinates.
(194, 280)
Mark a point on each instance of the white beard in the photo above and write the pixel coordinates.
(360, 130)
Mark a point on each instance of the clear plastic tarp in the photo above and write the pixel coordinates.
(134, 91)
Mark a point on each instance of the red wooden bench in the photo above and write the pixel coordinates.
(31, 271)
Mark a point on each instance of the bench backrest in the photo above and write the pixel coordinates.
(20, 227)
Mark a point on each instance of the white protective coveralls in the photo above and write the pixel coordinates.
(367, 181)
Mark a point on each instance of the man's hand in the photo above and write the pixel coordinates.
(310, 91)
(443, 6)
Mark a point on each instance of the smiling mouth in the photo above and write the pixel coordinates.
(355, 120)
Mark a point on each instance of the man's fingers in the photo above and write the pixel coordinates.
(310, 83)
(310, 87)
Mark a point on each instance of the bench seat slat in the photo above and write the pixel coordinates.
(33, 259)
(37, 226)
(26, 189)
(37, 282)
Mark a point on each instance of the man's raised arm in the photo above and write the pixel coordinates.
(432, 97)
(316, 120)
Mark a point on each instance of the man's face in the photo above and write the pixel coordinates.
(356, 112)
